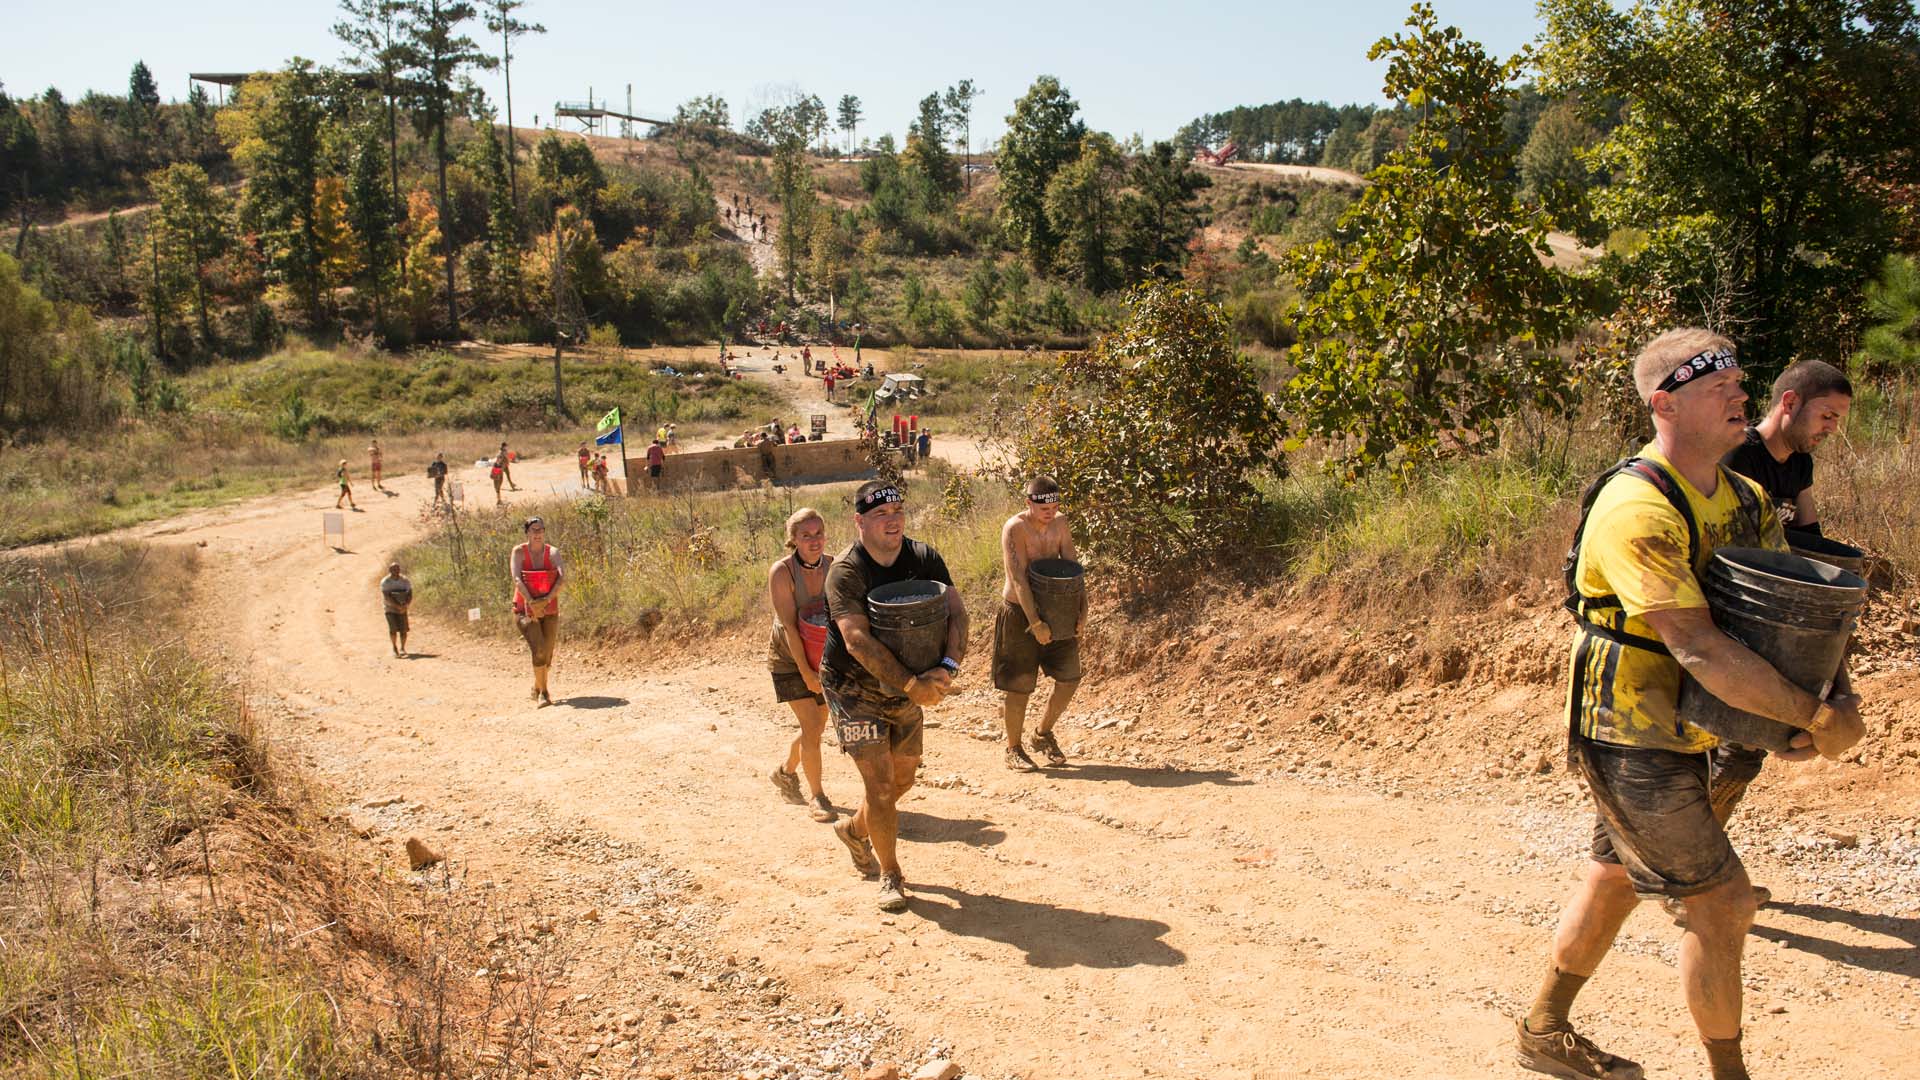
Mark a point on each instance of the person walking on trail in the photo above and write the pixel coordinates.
(373, 463)
(396, 595)
(926, 443)
(656, 460)
(497, 472)
(1810, 402)
(585, 455)
(437, 472)
(797, 591)
(1643, 617)
(874, 702)
(346, 487)
(600, 473)
(505, 461)
(535, 566)
(1025, 645)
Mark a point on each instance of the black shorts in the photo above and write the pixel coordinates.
(396, 622)
(1018, 656)
(653, 471)
(791, 686)
(868, 720)
(1655, 818)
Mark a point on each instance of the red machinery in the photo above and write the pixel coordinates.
(1218, 157)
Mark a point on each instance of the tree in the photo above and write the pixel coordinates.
(958, 103)
(371, 33)
(339, 249)
(1157, 433)
(439, 55)
(1552, 163)
(926, 153)
(276, 131)
(19, 164)
(981, 294)
(500, 21)
(1891, 347)
(1162, 214)
(192, 229)
(1755, 129)
(372, 213)
(849, 117)
(52, 366)
(423, 263)
(1430, 316)
(1083, 210)
(142, 91)
(1042, 138)
(790, 128)
(503, 224)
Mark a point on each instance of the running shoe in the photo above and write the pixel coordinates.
(823, 810)
(788, 785)
(1565, 1053)
(858, 847)
(1043, 743)
(1018, 761)
(893, 893)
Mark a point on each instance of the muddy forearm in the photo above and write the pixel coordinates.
(957, 626)
(1740, 677)
(878, 660)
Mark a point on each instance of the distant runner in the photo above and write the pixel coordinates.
(498, 473)
(797, 591)
(873, 701)
(506, 467)
(535, 567)
(396, 595)
(585, 454)
(437, 472)
(1024, 645)
(346, 487)
(373, 463)
(656, 460)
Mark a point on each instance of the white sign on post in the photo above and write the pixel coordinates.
(473, 614)
(457, 491)
(332, 525)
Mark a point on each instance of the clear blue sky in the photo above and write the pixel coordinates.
(1133, 66)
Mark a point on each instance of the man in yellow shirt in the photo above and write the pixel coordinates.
(1643, 617)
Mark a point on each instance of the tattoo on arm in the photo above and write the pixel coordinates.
(875, 657)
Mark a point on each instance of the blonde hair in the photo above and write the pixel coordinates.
(1664, 355)
(801, 517)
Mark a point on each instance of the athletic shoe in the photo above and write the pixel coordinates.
(1676, 908)
(1565, 1053)
(823, 811)
(1018, 761)
(858, 847)
(788, 785)
(893, 893)
(1043, 743)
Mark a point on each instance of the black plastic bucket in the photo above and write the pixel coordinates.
(1059, 586)
(1796, 613)
(910, 618)
(1832, 552)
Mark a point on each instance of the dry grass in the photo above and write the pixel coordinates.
(174, 904)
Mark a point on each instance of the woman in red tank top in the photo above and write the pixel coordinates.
(535, 567)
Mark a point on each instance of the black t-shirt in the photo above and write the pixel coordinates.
(436, 469)
(853, 576)
(1783, 481)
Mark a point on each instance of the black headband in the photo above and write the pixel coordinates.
(1049, 497)
(877, 498)
(1699, 364)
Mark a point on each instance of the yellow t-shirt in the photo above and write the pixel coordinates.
(1635, 548)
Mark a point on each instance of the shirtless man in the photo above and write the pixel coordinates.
(1023, 644)
(374, 463)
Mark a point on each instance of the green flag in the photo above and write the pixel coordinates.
(612, 419)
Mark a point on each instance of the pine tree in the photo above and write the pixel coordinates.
(372, 211)
(191, 230)
(503, 225)
(439, 55)
(500, 21)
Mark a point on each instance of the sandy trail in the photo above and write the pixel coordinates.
(1100, 921)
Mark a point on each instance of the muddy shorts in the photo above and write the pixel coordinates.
(542, 635)
(1018, 657)
(867, 719)
(396, 622)
(1655, 818)
(792, 687)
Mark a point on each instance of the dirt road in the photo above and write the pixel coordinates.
(1104, 920)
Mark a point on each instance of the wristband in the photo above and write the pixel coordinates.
(950, 664)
